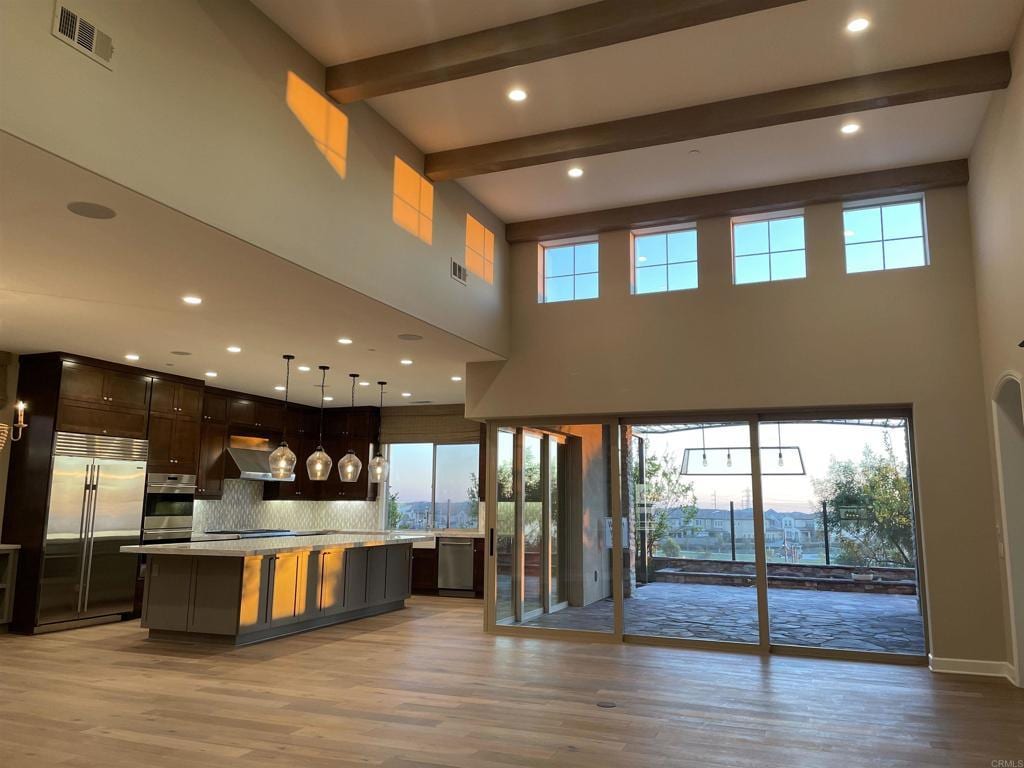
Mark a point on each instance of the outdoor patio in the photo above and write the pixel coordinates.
(820, 619)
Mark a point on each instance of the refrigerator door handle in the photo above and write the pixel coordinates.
(83, 527)
(89, 539)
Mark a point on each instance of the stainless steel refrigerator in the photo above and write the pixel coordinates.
(97, 488)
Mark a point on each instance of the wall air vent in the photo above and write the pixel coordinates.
(82, 35)
(459, 272)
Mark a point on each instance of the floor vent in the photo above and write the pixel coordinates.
(459, 272)
(82, 35)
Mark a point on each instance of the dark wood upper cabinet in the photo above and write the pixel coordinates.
(210, 477)
(96, 420)
(215, 408)
(241, 411)
(174, 399)
(98, 401)
(126, 391)
(270, 416)
(173, 445)
(83, 383)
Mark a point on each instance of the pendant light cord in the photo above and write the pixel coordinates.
(287, 383)
(323, 384)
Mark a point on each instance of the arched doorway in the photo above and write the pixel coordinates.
(1008, 411)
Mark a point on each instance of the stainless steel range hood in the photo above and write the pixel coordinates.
(252, 464)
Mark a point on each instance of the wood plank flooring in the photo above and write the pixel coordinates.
(426, 687)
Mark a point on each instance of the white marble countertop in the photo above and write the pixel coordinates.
(429, 539)
(275, 545)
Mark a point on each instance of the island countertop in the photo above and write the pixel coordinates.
(274, 545)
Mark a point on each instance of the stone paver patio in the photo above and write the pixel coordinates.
(844, 620)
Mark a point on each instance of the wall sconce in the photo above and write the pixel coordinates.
(19, 421)
(15, 430)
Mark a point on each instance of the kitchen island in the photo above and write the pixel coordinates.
(241, 591)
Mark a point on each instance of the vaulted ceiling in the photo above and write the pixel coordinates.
(786, 45)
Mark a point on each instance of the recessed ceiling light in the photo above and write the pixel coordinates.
(344, 340)
(91, 210)
(279, 388)
(211, 374)
(304, 368)
(328, 398)
(131, 356)
(517, 94)
(406, 361)
(456, 378)
(234, 350)
(193, 300)
(850, 128)
(364, 383)
(407, 394)
(858, 24)
(575, 172)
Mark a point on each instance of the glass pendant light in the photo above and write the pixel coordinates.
(318, 465)
(378, 464)
(349, 465)
(282, 460)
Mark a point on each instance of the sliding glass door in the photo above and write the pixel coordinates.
(693, 573)
(553, 549)
(766, 531)
(840, 535)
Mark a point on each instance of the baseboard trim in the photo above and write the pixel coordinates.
(973, 667)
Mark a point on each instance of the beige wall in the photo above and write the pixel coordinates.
(595, 571)
(903, 337)
(194, 116)
(996, 193)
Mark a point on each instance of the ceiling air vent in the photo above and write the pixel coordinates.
(459, 272)
(82, 35)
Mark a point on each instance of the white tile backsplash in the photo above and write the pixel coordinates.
(242, 506)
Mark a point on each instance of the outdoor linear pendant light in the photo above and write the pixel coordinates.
(318, 465)
(378, 464)
(282, 459)
(349, 465)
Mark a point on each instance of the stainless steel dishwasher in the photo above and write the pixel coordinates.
(455, 566)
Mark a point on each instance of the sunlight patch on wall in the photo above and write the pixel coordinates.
(323, 121)
(479, 249)
(413, 205)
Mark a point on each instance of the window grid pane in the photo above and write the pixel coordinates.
(777, 251)
(900, 236)
(665, 261)
(570, 272)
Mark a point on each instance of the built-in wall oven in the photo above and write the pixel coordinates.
(167, 513)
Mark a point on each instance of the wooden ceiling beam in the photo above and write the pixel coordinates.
(941, 80)
(857, 186)
(546, 37)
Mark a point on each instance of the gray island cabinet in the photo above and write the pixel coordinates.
(243, 591)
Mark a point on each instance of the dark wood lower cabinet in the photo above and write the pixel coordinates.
(424, 569)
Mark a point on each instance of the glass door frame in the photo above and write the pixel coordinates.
(549, 427)
(618, 499)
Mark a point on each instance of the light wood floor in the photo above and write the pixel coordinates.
(426, 687)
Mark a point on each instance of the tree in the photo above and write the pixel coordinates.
(665, 490)
(394, 516)
(869, 508)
